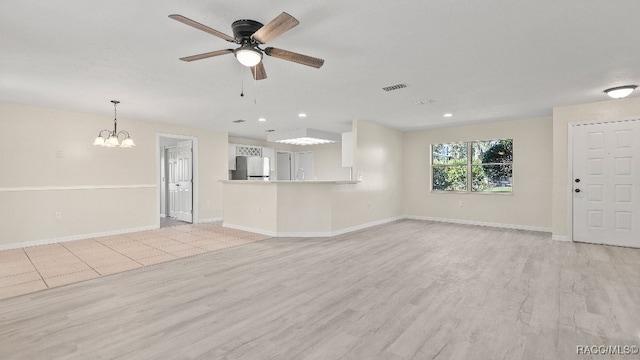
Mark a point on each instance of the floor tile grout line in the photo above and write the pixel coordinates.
(123, 254)
(34, 266)
(79, 258)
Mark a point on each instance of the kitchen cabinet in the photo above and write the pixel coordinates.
(271, 154)
(232, 156)
(347, 149)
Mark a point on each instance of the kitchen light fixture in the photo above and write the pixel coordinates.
(110, 138)
(620, 91)
(304, 137)
(262, 119)
(248, 55)
(448, 115)
(302, 115)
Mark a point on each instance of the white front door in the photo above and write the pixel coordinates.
(606, 183)
(303, 169)
(179, 160)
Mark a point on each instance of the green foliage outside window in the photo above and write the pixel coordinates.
(491, 165)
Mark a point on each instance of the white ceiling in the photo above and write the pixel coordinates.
(480, 60)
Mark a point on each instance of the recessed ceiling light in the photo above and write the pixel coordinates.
(262, 119)
(620, 91)
(302, 115)
(448, 115)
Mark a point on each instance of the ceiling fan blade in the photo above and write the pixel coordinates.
(207, 55)
(258, 71)
(295, 57)
(276, 27)
(204, 28)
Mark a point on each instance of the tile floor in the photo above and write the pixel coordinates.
(36, 268)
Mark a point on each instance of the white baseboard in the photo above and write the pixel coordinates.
(163, 215)
(479, 223)
(560, 238)
(246, 228)
(74, 237)
(209, 220)
(287, 234)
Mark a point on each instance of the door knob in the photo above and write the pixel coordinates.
(577, 180)
(577, 190)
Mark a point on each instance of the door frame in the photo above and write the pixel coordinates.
(570, 138)
(290, 162)
(194, 167)
(296, 163)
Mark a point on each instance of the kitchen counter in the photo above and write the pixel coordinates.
(285, 208)
(336, 182)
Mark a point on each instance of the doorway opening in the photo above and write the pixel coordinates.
(284, 165)
(177, 180)
(304, 166)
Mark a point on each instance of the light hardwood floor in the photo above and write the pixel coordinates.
(405, 290)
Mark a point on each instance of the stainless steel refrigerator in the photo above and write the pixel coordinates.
(251, 168)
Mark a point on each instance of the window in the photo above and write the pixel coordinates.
(478, 166)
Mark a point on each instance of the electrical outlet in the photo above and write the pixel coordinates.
(58, 215)
(59, 154)
(460, 204)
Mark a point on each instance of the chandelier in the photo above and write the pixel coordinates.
(110, 138)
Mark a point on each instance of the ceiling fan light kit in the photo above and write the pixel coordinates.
(108, 138)
(248, 56)
(620, 92)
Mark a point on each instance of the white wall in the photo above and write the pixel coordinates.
(51, 165)
(378, 160)
(527, 207)
(621, 109)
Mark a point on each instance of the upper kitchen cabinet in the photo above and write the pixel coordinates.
(271, 154)
(347, 149)
(232, 156)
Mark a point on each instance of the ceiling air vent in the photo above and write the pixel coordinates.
(423, 102)
(239, 121)
(394, 87)
(270, 130)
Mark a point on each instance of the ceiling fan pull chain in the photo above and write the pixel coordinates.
(255, 90)
(241, 81)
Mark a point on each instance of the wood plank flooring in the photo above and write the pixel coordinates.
(405, 290)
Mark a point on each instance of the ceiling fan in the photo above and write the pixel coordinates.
(250, 35)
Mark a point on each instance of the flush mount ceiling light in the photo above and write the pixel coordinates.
(620, 91)
(110, 138)
(248, 55)
(304, 137)
(302, 115)
(448, 115)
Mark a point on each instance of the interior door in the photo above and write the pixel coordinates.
(179, 160)
(283, 165)
(606, 183)
(303, 169)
